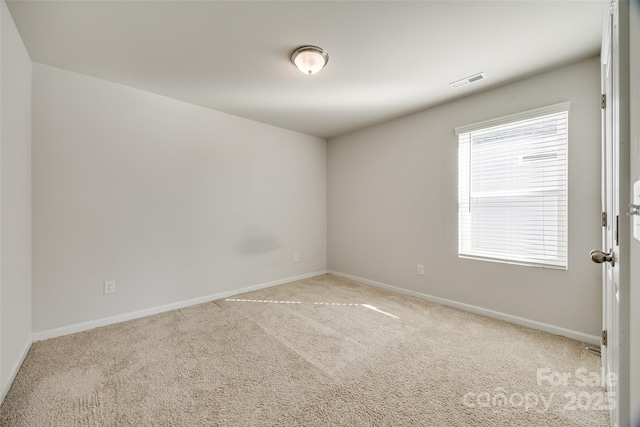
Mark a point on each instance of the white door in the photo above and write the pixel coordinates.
(610, 296)
(610, 255)
(607, 206)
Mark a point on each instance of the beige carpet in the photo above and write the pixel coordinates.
(318, 352)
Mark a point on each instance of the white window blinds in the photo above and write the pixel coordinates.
(512, 188)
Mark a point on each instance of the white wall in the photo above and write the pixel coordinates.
(393, 204)
(15, 200)
(170, 200)
(634, 50)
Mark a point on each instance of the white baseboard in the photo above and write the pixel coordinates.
(580, 336)
(79, 327)
(14, 371)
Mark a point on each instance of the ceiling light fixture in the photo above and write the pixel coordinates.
(309, 59)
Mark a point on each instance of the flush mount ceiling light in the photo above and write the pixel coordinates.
(309, 59)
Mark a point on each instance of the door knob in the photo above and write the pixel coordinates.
(600, 257)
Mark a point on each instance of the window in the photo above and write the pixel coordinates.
(512, 188)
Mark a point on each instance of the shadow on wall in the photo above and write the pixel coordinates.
(257, 243)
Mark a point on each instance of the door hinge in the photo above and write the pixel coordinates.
(617, 230)
(604, 219)
(603, 101)
(604, 337)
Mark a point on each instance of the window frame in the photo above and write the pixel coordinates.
(561, 262)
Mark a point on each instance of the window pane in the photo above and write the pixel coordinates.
(513, 191)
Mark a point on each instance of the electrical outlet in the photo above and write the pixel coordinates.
(296, 257)
(109, 287)
(420, 270)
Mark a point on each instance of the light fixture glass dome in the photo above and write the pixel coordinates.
(309, 59)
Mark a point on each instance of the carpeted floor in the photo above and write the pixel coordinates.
(318, 352)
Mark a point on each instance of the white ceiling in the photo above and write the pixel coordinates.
(387, 58)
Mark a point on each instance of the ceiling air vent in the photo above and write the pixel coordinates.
(468, 80)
